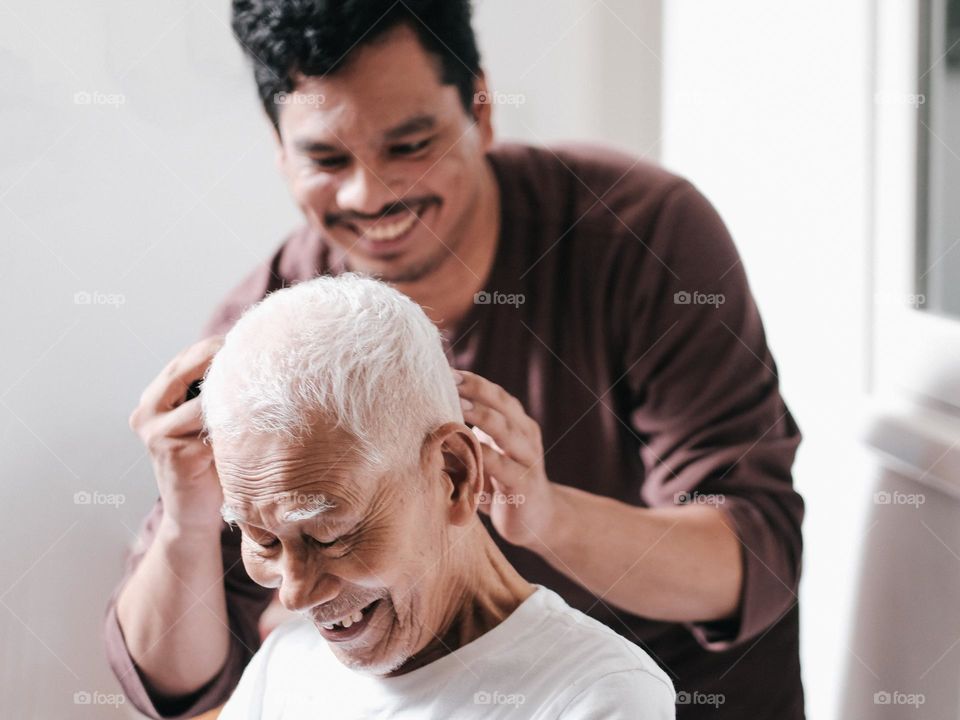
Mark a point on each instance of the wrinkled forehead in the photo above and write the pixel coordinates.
(266, 475)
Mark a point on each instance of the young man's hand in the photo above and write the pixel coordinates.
(170, 428)
(517, 494)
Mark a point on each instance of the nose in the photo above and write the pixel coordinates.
(304, 583)
(364, 191)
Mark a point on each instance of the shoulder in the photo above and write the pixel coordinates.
(609, 214)
(623, 694)
(590, 175)
(594, 649)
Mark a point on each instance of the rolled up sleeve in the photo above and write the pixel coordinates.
(706, 404)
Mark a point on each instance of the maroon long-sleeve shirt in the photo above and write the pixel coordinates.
(640, 351)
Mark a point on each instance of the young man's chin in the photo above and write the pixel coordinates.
(399, 270)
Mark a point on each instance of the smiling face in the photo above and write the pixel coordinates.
(344, 542)
(384, 160)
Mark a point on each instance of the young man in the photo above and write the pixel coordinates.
(637, 448)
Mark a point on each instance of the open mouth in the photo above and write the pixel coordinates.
(388, 233)
(351, 625)
(384, 231)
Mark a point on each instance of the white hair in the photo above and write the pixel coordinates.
(345, 350)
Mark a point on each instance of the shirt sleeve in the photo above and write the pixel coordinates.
(706, 406)
(246, 600)
(623, 695)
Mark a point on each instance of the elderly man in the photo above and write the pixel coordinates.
(345, 463)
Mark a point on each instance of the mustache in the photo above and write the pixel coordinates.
(344, 604)
(394, 208)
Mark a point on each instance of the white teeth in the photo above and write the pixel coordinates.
(354, 617)
(383, 232)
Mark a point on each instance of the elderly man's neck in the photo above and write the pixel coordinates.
(488, 590)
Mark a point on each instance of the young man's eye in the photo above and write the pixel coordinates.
(410, 148)
(329, 163)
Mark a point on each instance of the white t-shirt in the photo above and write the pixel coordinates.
(545, 661)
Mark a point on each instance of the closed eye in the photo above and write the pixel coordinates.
(275, 542)
(263, 542)
(339, 547)
(267, 544)
(410, 148)
(332, 162)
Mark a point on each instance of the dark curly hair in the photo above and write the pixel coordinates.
(315, 37)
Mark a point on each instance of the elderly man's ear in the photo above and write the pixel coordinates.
(461, 468)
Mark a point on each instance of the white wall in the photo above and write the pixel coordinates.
(163, 201)
(586, 69)
(767, 110)
(158, 195)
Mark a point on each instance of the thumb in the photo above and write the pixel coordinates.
(485, 497)
(498, 491)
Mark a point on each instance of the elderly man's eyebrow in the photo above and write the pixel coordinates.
(230, 514)
(314, 507)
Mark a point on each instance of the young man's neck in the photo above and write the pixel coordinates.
(446, 295)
